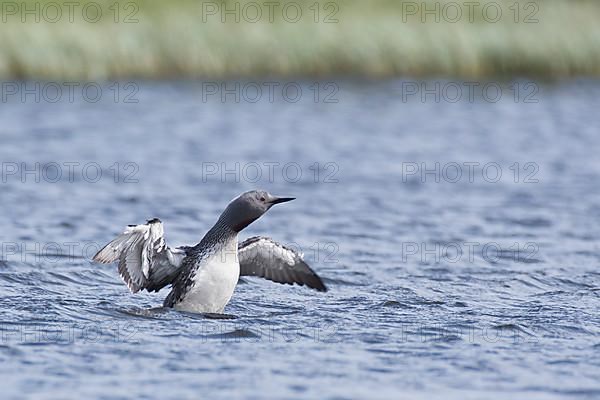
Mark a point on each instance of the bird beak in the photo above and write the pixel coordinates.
(277, 200)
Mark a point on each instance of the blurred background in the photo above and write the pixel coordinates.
(444, 159)
(375, 39)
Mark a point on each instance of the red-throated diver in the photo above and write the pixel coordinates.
(204, 276)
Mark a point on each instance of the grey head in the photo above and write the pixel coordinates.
(248, 207)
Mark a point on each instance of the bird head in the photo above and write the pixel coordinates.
(249, 206)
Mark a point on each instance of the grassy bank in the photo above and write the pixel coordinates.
(376, 38)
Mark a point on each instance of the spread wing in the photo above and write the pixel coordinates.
(263, 257)
(145, 261)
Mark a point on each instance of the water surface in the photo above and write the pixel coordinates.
(478, 286)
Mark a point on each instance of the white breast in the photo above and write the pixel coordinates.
(214, 282)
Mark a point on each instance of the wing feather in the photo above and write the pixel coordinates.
(265, 258)
(145, 261)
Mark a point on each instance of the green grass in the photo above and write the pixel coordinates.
(373, 38)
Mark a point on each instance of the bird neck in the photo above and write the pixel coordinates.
(220, 233)
(235, 219)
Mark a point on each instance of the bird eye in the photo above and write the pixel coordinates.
(262, 199)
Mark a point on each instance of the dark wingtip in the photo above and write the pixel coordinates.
(322, 289)
(318, 284)
(154, 221)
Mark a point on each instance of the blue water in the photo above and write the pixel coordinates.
(446, 280)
